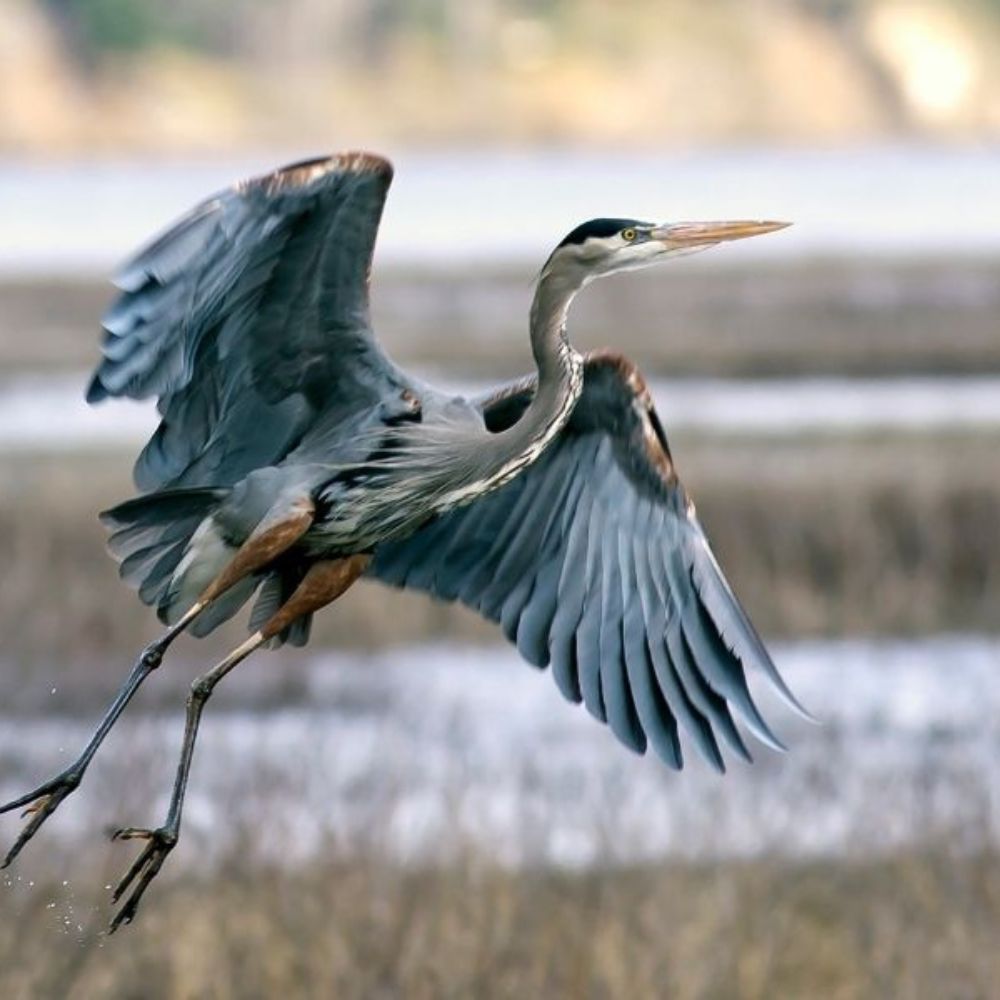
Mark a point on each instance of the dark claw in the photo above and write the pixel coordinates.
(41, 804)
(145, 868)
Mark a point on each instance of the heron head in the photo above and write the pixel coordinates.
(604, 246)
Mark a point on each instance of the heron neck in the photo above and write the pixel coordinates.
(447, 462)
(560, 367)
(501, 456)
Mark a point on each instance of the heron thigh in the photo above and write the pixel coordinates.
(323, 583)
(272, 537)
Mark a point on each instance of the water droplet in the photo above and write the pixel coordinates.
(53, 691)
(65, 882)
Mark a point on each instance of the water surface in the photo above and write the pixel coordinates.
(456, 206)
(48, 412)
(426, 749)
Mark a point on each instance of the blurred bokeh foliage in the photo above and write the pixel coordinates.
(100, 26)
(184, 75)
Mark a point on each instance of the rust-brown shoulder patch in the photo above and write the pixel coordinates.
(361, 162)
(653, 439)
(304, 172)
(627, 370)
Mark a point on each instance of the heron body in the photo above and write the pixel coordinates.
(293, 457)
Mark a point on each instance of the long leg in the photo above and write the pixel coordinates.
(323, 583)
(43, 801)
(260, 548)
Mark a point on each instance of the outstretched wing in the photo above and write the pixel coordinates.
(248, 317)
(593, 562)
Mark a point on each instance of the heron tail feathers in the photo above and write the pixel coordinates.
(168, 548)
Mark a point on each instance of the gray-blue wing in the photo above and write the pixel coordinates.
(248, 318)
(594, 564)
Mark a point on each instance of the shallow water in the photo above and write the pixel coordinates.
(893, 200)
(425, 750)
(48, 413)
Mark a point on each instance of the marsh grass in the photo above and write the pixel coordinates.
(820, 317)
(820, 536)
(924, 924)
(242, 911)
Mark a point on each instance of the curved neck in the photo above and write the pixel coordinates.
(456, 463)
(560, 382)
(560, 367)
(499, 457)
(553, 295)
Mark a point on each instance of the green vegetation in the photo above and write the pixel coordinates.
(189, 75)
(114, 25)
(96, 29)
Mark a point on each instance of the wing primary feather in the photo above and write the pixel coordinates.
(588, 631)
(720, 667)
(186, 235)
(592, 560)
(514, 604)
(723, 671)
(532, 635)
(697, 726)
(533, 630)
(714, 707)
(622, 716)
(661, 616)
(732, 621)
(257, 297)
(656, 608)
(570, 597)
(654, 714)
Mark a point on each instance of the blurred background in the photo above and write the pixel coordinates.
(405, 809)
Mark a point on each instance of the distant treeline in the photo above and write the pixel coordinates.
(188, 74)
(346, 29)
(96, 27)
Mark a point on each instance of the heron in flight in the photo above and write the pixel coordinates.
(293, 458)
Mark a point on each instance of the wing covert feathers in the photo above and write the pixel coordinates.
(247, 317)
(595, 565)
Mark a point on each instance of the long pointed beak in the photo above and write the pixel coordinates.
(701, 234)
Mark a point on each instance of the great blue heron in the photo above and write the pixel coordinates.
(294, 457)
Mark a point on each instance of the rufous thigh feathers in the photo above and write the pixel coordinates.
(324, 582)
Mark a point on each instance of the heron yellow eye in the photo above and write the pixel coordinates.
(628, 235)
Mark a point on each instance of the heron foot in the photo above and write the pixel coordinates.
(144, 869)
(40, 804)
